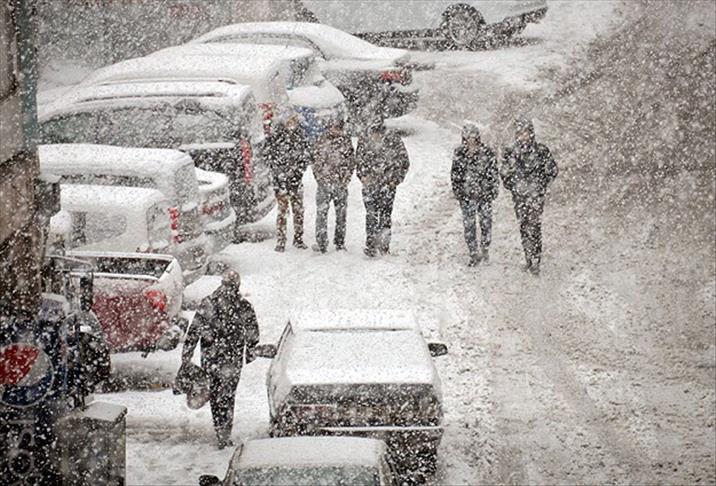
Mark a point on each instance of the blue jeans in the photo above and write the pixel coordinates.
(339, 197)
(470, 210)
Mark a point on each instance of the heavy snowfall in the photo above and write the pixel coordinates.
(599, 367)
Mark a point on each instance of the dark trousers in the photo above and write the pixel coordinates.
(294, 198)
(470, 210)
(529, 215)
(325, 195)
(222, 392)
(378, 203)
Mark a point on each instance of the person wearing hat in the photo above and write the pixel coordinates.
(227, 328)
(475, 184)
(528, 168)
(382, 164)
(333, 166)
(288, 155)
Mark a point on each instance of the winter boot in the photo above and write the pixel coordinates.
(298, 243)
(341, 247)
(369, 252)
(485, 256)
(474, 260)
(319, 248)
(280, 246)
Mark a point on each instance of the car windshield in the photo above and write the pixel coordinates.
(316, 475)
(161, 126)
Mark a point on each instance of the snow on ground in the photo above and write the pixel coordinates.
(565, 379)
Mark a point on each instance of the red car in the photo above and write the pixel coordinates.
(137, 299)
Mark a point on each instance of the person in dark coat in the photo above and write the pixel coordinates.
(288, 155)
(382, 164)
(333, 166)
(227, 328)
(528, 168)
(475, 183)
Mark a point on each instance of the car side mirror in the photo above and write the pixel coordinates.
(437, 349)
(209, 480)
(265, 351)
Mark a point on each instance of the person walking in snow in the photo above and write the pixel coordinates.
(475, 184)
(227, 328)
(382, 164)
(333, 166)
(288, 155)
(528, 168)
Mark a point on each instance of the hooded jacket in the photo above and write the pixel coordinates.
(528, 168)
(333, 160)
(383, 164)
(288, 154)
(474, 176)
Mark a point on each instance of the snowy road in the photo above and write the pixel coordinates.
(567, 379)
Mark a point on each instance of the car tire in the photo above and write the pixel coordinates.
(462, 26)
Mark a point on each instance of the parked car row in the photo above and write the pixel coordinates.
(347, 374)
(163, 154)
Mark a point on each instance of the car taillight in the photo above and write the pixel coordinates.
(267, 110)
(174, 222)
(394, 76)
(246, 156)
(214, 208)
(157, 299)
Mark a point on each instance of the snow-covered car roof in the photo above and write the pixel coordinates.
(310, 451)
(353, 319)
(210, 180)
(332, 42)
(61, 159)
(118, 199)
(176, 67)
(249, 52)
(359, 357)
(212, 95)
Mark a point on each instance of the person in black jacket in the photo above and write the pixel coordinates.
(288, 155)
(228, 330)
(475, 184)
(528, 168)
(382, 164)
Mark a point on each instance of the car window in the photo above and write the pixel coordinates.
(285, 342)
(109, 180)
(159, 231)
(270, 39)
(77, 127)
(186, 187)
(311, 475)
(93, 227)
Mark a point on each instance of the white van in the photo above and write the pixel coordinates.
(216, 123)
(170, 171)
(309, 93)
(127, 219)
(265, 75)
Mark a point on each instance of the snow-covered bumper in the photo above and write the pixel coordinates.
(220, 233)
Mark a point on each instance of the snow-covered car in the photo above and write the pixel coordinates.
(217, 215)
(128, 220)
(460, 22)
(309, 93)
(170, 171)
(308, 461)
(361, 373)
(376, 81)
(137, 299)
(265, 76)
(216, 123)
